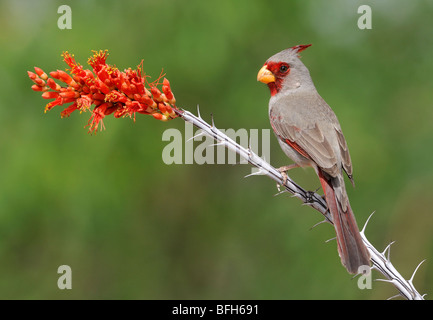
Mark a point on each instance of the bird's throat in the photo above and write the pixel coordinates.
(275, 87)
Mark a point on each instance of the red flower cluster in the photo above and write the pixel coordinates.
(108, 89)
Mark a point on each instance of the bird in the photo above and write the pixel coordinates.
(310, 134)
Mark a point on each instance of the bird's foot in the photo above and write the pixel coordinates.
(283, 170)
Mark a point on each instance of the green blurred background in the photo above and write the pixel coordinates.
(132, 227)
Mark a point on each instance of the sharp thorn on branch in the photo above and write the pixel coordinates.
(198, 112)
(318, 223)
(362, 273)
(199, 134)
(329, 240)
(355, 276)
(388, 248)
(213, 122)
(257, 173)
(221, 143)
(413, 274)
(396, 296)
(385, 280)
(280, 192)
(366, 222)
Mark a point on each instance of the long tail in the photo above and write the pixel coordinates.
(351, 248)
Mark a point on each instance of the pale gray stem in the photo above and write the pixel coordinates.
(379, 261)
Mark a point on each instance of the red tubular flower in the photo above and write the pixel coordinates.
(161, 107)
(53, 85)
(41, 73)
(32, 75)
(68, 110)
(167, 91)
(50, 95)
(35, 87)
(109, 90)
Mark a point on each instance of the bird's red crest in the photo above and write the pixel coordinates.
(300, 47)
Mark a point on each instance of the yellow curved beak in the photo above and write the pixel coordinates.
(265, 75)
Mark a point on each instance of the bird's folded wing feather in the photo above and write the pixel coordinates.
(312, 141)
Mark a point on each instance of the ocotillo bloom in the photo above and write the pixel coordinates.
(109, 90)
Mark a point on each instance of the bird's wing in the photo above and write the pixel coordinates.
(345, 155)
(308, 141)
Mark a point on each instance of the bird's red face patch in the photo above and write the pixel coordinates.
(280, 70)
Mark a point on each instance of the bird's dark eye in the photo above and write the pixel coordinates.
(284, 68)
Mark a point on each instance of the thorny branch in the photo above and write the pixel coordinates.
(380, 262)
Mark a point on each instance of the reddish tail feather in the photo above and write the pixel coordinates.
(351, 248)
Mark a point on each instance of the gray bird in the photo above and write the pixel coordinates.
(309, 133)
